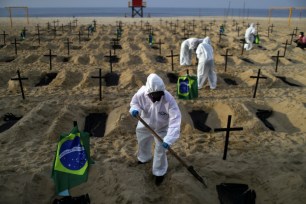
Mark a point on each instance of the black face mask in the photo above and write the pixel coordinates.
(156, 96)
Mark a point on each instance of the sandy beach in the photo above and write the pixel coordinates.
(270, 162)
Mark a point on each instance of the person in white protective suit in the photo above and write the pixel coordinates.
(206, 66)
(249, 36)
(187, 47)
(158, 108)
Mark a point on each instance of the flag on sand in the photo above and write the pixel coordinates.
(72, 159)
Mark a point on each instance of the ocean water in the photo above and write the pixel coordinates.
(153, 12)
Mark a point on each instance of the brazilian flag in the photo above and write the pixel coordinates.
(187, 87)
(72, 159)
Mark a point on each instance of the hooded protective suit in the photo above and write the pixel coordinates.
(163, 116)
(205, 55)
(187, 47)
(249, 37)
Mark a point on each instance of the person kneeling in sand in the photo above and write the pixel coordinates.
(301, 41)
(187, 47)
(249, 36)
(158, 108)
(206, 66)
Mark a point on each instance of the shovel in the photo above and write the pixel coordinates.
(189, 168)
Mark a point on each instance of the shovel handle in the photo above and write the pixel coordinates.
(161, 140)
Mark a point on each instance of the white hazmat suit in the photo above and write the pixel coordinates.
(163, 116)
(249, 37)
(187, 47)
(206, 67)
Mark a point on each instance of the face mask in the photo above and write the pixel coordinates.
(156, 96)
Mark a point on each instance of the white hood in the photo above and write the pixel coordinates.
(154, 83)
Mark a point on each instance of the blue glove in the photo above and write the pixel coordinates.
(134, 113)
(166, 145)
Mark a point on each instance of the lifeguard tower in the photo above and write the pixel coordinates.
(137, 7)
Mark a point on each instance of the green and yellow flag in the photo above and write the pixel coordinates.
(187, 87)
(72, 159)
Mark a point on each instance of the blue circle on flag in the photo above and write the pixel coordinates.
(72, 154)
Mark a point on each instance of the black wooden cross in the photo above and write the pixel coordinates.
(160, 43)
(257, 79)
(54, 26)
(277, 60)
(80, 34)
(100, 77)
(95, 24)
(62, 28)
(111, 60)
(68, 45)
(285, 48)
(4, 36)
(76, 22)
(38, 33)
(238, 31)
(172, 55)
(50, 58)
(54, 32)
(15, 43)
(243, 42)
(20, 82)
(115, 44)
(205, 30)
(272, 26)
(295, 30)
(48, 25)
(193, 25)
(228, 129)
(268, 31)
(225, 58)
(292, 34)
(70, 26)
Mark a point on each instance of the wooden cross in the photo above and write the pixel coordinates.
(20, 82)
(292, 34)
(228, 129)
(68, 45)
(277, 60)
(15, 43)
(4, 36)
(285, 48)
(193, 25)
(54, 32)
(296, 29)
(48, 26)
(38, 34)
(79, 34)
(76, 22)
(111, 59)
(70, 26)
(257, 79)
(272, 26)
(62, 28)
(54, 24)
(100, 77)
(50, 58)
(205, 30)
(236, 26)
(95, 24)
(172, 55)
(160, 43)
(268, 31)
(225, 58)
(238, 31)
(116, 44)
(243, 42)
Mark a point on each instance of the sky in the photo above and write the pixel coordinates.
(157, 3)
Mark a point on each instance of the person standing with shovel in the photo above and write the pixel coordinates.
(158, 108)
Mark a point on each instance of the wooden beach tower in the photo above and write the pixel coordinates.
(137, 7)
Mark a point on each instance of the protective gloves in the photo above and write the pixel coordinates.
(134, 113)
(165, 145)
